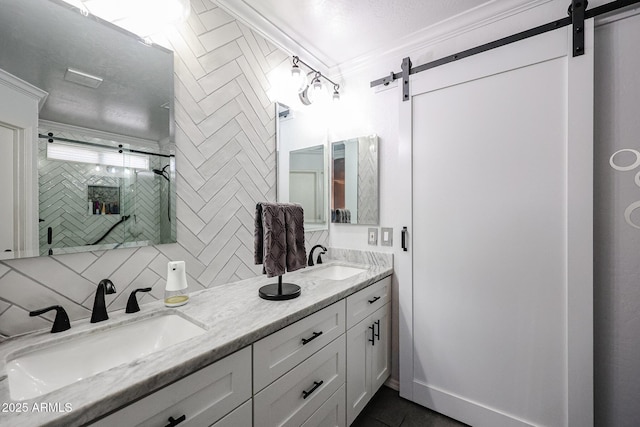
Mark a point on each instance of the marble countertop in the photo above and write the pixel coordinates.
(233, 315)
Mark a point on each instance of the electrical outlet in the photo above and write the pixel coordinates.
(373, 236)
(386, 238)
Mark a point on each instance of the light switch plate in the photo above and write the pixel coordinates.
(386, 237)
(373, 236)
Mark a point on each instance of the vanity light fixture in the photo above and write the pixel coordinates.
(316, 90)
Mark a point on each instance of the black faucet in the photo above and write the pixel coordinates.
(99, 312)
(132, 303)
(61, 323)
(319, 260)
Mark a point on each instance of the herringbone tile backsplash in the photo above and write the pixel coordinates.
(225, 138)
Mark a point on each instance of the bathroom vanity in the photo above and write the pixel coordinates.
(314, 360)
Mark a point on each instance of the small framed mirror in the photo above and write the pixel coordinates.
(354, 181)
(303, 165)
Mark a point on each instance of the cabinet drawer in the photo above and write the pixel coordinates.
(202, 397)
(364, 302)
(293, 398)
(331, 413)
(283, 350)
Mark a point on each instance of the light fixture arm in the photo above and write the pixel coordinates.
(318, 74)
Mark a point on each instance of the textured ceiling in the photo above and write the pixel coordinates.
(40, 39)
(340, 31)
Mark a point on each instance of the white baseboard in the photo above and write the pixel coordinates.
(392, 383)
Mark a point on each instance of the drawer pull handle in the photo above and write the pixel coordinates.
(316, 384)
(377, 335)
(372, 340)
(308, 340)
(371, 301)
(175, 421)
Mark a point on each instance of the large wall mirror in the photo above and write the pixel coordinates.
(303, 165)
(354, 181)
(104, 167)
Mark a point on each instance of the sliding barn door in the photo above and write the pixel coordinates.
(496, 319)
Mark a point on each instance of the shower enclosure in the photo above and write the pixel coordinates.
(103, 194)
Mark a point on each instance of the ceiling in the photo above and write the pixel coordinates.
(340, 33)
(40, 39)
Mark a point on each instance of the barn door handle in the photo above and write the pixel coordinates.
(404, 239)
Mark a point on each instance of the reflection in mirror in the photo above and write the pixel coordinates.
(307, 183)
(302, 165)
(106, 179)
(354, 181)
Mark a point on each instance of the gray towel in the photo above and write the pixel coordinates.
(279, 238)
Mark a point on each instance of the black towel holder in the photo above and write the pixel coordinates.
(279, 291)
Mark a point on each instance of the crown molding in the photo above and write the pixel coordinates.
(19, 85)
(250, 17)
(480, 16)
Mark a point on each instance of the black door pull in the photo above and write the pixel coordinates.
(372, 340)
(377, 335)
(371, 301)
(308, 340)
(176, 421)
(316, 384)
(404, 239)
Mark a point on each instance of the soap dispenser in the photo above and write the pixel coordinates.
(175, 293)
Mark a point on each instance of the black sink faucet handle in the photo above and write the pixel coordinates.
(61, 322)
(132, 303)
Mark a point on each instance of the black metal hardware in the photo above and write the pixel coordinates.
(132, 302)
(52, 138)
(61, 322)
(372, 340)
(404, 238)
(49, 235)
(406, 71)
(319, 261)
(123, 219)
(279, 291)
(377, 335)
(541, 29)
(99, 312)
(576, 12)
(176, 421)
(316, 384)
(306, 341)
(371, 301)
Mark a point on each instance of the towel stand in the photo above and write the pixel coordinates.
(279, 291)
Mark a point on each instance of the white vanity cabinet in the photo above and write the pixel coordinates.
(299, 372)
(207, 397)
(368, 347)
(317, 372)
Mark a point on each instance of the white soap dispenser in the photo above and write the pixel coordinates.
(175, 293)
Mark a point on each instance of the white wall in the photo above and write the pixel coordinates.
(365, 111)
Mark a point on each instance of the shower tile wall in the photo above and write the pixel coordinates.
(63, 202)
(225, 139)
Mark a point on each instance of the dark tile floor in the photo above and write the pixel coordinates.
(388, 409)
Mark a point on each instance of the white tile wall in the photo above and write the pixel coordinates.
(225, 138)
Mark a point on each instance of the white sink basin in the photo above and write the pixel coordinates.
(44, 370)
(335, 272)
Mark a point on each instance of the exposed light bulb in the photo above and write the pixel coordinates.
(298, 78)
